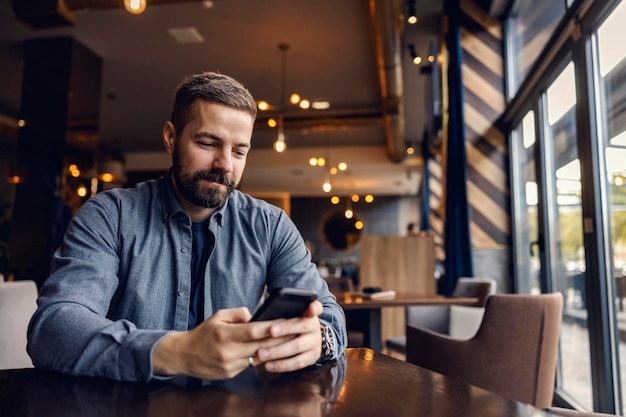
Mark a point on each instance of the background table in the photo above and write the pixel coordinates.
(363, 383)
(364, 314)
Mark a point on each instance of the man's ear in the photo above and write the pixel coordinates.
(169, 137)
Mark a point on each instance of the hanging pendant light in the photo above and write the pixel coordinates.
(135, 6)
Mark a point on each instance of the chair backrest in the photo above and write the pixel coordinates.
(18, 302)
(480, 288)
(513, 353)
(437, 317)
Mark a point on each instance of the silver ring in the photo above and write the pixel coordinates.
(250, 361)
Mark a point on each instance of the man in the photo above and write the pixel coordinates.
(160, 279)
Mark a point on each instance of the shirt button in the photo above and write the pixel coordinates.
(181, 293)
(184, 249)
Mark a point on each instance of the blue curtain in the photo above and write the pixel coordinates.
(425, 201)
(457, 241)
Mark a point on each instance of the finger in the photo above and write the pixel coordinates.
(292, 363)
(314, 309)
(295, 346)
(234, 315)
(294, 326)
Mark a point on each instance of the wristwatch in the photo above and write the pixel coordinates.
(328, 342)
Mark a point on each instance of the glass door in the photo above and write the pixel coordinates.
(610, 77)
(550, 254)
(564, 229)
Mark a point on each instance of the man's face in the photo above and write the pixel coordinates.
(209, 155)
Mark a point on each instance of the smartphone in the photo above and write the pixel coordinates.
(285, 303)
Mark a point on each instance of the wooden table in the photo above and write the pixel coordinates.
(363, 383)
(364, 314)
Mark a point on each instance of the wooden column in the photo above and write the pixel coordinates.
(59, 76)
(401, 263)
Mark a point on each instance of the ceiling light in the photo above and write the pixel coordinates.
(320, 105)
(414, 55)
(135, 6)
(411, 15)
(294, 99)
(280, 145)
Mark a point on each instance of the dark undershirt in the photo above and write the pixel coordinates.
(203, 241)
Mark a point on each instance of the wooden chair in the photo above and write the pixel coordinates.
(443, 319)
(18, 302)
(513, 353)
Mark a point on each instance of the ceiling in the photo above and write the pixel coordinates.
(351, 53)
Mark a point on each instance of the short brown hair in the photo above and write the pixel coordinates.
(213, 87)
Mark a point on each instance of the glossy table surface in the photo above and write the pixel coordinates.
(363, 383)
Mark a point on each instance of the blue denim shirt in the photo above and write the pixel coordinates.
(121, 278)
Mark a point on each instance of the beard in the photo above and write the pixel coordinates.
(190, 187)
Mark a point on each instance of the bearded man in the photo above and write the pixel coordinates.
(159, 280)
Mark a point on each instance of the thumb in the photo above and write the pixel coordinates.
(233, 315)
(314, 310)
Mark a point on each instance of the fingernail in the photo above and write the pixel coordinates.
(269, 366)
(263, 354)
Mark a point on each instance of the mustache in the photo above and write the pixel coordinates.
(214, 175)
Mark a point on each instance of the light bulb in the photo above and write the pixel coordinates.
(263, 105)
(294, 98)
(305, 104)
(326, 186)
(313, 162)
(349, 213)
(107, 177)
(334, 199)
(280, 145)
(135, 6)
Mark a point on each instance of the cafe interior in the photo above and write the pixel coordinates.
(456, 168)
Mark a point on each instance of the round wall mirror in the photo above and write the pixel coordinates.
(339, 232)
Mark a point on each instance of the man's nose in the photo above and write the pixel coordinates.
(224, 161)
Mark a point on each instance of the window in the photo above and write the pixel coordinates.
(530, 26)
